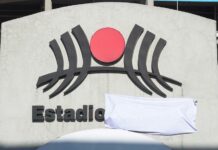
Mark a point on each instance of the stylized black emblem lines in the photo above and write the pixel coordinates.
(86, 55)
(130, 46)
(143, 53)
(71, 54)
(68, 75)
(158, 49)
(60, 63)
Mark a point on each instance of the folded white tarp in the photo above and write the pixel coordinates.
(165, 116)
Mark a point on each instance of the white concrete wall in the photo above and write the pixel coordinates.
(190, 57)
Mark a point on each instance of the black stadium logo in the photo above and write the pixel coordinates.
(106, 58)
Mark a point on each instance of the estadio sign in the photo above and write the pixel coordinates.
(57, 66)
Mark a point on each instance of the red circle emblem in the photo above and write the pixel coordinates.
(107, 45)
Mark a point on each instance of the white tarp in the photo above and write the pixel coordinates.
(165, 116)
(104, 139)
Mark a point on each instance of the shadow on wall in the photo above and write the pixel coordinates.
(101, 146)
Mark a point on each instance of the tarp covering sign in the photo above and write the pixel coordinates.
(167, 116)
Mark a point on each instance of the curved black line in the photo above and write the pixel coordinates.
(86, 55)
(60, 63)
(131, 42)
(43, 80)
(157, 51)
(143, 53)
(72, 57)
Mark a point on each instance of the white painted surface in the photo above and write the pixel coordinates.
(48, 4)
(189, 57)
(150, 2)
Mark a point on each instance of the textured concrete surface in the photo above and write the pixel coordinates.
(189, 56)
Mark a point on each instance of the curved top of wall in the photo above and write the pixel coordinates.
(189, 56)
(113, 7)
